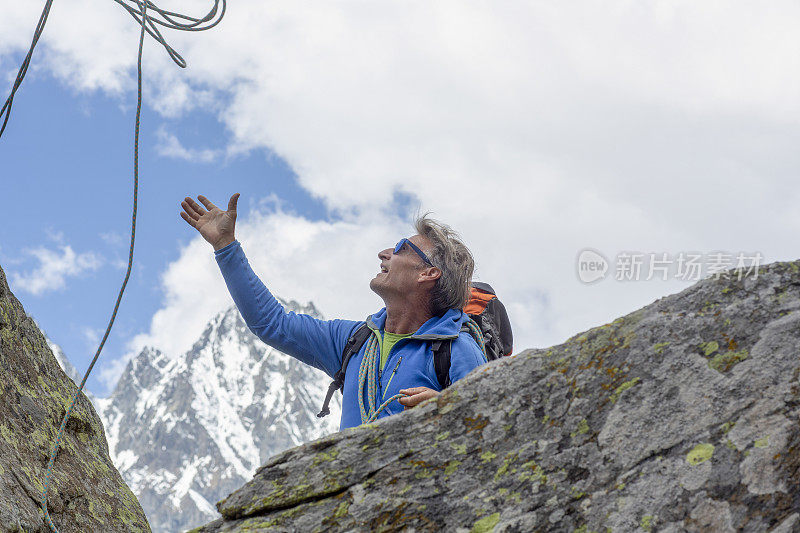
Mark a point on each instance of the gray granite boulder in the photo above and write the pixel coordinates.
(681, 416)
(87, 493)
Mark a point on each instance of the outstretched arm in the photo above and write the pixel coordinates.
(318, 343)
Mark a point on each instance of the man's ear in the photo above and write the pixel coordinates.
(429, 274)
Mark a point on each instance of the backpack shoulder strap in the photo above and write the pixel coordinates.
(442, 350)
(354, 344)
(441, 361)
(500, 320)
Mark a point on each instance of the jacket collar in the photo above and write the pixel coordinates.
(447, 326)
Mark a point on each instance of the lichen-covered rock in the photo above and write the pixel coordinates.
(87, 493)
(681, 416)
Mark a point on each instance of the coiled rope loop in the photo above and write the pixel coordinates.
(475, 331)
(367, 375)
(146, 14)
(149, 16)
(172, 21)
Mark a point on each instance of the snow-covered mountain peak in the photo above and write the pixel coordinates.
(185, 431)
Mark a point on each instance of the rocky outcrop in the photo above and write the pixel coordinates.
(87, 492)
(681, 416)
(186, 430)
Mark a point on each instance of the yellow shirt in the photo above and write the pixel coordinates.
(389, 340)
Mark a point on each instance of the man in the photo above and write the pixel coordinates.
(424, 283)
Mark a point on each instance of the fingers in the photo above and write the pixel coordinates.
(195, 211)
(413, 390)
(412, 401)
(192, 209)
(232, 202)
(206, 202)
(189, 220)
(415, 396)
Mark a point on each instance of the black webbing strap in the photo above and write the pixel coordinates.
(441, 359)
(354, 344)
(441, 362)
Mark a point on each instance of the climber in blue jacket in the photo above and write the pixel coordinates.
(424, 283)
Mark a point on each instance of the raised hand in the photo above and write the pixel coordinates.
(215, 225)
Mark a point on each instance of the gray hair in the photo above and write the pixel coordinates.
(453, 258)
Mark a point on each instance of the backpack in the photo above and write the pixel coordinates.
(483, 307)
(490, 314)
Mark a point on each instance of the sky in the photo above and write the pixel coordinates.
(538, 130)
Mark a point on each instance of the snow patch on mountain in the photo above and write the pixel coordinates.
(186, 431)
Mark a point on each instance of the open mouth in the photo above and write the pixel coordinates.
(384, 270)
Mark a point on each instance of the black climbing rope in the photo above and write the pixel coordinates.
(141, 12)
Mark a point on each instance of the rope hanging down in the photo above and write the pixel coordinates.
(140, 13)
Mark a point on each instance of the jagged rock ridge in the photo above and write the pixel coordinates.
(681, 416)
(63, 361)
(185, 431)
(87, 492)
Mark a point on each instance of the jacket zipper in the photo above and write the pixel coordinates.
(390, 377)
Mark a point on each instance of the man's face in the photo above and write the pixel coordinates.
(399, 273)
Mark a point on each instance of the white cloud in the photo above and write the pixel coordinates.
(170, 146)
(113, 239)
(536, 129)
(54, 267)
(111, 369)
(92, 336)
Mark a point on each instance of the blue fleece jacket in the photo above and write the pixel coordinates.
(320, 343)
